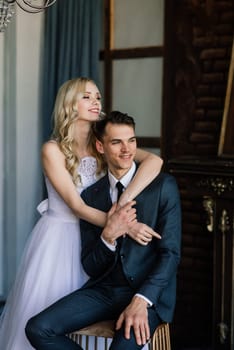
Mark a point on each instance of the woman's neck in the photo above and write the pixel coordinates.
(82, 139)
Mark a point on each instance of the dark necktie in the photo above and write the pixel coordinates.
(120, 188)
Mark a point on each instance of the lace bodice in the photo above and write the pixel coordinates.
(55, 205)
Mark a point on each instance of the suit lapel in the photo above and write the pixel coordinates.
(101, 194)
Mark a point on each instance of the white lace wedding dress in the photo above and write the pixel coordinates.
(50, 267)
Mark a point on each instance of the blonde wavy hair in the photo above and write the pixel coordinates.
(65, 115)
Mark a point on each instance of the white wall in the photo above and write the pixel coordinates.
(21, 185)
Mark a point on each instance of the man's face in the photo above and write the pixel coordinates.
(119, 147)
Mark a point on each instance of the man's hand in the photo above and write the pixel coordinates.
(135, 315)
(119, 221)
(142, 233)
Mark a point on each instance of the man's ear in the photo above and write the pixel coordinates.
(99, 147)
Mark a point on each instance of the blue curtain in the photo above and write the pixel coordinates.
(71, 49)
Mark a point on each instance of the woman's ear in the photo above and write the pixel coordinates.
(99, 147)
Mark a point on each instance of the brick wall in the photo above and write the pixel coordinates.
(202, 40)
(199, 38)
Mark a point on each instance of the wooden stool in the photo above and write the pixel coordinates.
(159, 341)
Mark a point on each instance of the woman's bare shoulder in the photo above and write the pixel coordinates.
(51, 148)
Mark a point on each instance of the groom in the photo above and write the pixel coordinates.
(129, 282)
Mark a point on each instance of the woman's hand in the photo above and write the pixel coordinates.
(119, 221)
(142, 233)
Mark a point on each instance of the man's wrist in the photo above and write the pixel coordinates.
(111, 246)
(148, 302)
(107, 236)
(108, 240)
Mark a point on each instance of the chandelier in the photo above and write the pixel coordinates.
(31, 6)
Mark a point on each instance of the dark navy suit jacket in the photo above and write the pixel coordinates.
(150, 270)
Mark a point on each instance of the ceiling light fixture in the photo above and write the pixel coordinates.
(30, 6)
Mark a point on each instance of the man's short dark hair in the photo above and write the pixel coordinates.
(115, 117)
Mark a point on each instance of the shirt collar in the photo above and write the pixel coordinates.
(125, 180)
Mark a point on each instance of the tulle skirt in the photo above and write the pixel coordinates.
(50, 269)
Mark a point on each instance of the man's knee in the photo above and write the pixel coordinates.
(34, 329)
(119, 341)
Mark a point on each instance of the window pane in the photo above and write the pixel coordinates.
(138, 23)
(137, 90)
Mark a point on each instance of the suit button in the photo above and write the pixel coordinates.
(122, 256)
(131, 278)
